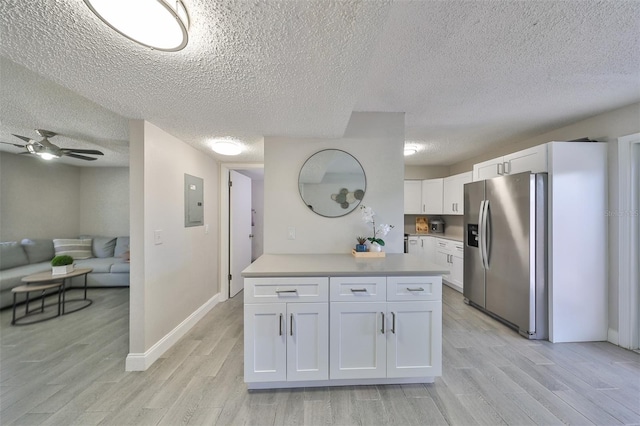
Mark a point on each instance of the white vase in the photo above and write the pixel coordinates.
(375, 247)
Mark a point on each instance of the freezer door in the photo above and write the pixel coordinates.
(510, 278)
(473, 281)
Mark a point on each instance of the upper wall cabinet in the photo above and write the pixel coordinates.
(432, 190)
(412, 197)
(528, 160)
(453, 195)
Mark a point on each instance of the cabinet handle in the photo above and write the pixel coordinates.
(453, 207)
(507, 167)
(358, 290)
(382, 329)
(291, 326)
(286, 291)
(415, 289)
(421, 243)
(500, 168)
(393, 322)
(280, 324)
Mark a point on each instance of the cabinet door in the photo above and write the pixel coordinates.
(414, 246)
(307, 341)
(432, 196)
(265, 356)
(442, 259)
(453, 195)
(414, 339)
(412, 197)
(528, 160)
(428, 247)
(357, 346)
(457, 272)
(488, 169)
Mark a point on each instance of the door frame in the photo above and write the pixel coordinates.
(225, 168)
(627, 232)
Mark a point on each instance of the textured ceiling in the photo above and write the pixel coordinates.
(470, 75)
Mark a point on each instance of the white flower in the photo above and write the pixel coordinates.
(383, 229)
(367, 214)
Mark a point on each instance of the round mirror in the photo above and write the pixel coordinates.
(332, 183)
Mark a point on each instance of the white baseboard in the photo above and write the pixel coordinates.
(456, 287)
(142, 361)
(612, 336)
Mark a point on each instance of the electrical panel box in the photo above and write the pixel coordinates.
(193, 201)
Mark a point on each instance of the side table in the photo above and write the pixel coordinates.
(27, 289)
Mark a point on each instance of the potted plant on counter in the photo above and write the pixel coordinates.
(361, 246)
(61, 265)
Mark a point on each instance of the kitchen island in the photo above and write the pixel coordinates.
(333, 319)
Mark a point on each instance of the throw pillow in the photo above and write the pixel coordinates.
(104, 246)
(11, 255)
(78, 249)
(38, 250)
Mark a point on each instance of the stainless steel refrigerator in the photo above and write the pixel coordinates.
(505, 223)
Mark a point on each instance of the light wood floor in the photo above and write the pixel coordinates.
(70, 370)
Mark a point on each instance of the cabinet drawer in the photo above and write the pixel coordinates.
(414, 288)
(358, 289)
(289, 289)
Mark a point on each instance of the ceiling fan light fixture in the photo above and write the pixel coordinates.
(158, 24)
(410, 150)
(226, 147)
(47, 155)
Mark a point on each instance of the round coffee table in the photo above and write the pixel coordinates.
(48, 277)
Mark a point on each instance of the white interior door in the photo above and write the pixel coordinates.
(239, 229)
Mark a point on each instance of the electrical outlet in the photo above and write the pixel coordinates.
(291, 234)
(157, 236)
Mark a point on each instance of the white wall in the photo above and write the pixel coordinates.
(104, 201)
(172, 280)
(376, 140)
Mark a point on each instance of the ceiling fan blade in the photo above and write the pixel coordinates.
(81, 157)
(24, 138)
(82, 151)
(14, 144)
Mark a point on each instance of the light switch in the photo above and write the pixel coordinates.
(291, 234)
(206, 228)
(157, 236)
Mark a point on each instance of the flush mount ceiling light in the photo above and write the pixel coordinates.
(226, 147)
(158, 24)
(410, 150)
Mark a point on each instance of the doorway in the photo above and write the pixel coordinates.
(245, 213)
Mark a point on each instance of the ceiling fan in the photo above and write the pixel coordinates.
(48, 151)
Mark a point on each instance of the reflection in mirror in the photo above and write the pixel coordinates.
(332, 183)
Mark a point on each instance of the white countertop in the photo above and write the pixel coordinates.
(327, 265)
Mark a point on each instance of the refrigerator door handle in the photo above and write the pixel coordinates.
(480, 232)
(485, 231)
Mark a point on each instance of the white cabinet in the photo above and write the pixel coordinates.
(400, 337)
(286, 339)
(423, 246)
(450, 254)
(432, 196)
(358, 345)
(413, 347)
(320, 331)
(453, 193)
(528, 160)
(412, 197)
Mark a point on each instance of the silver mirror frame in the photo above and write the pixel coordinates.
(339, 187)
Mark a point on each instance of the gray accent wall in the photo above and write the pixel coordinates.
(104, 201)
(45, 199)
(38, 199)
